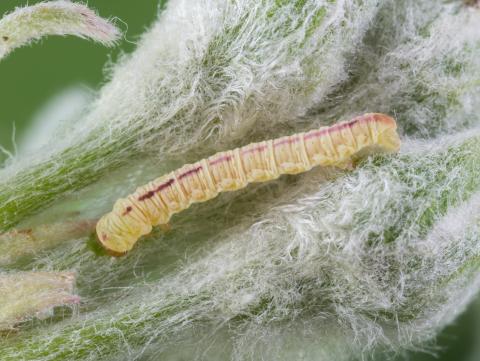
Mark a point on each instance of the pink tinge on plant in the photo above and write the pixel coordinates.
(27, 295)
(98, 28)
(23, 242)
(31, 23)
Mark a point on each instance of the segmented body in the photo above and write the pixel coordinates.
(155, 203)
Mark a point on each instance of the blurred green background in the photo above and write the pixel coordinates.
(32, 75)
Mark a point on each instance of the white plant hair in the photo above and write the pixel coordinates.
(367, 256)
(326, 265)
(27, 24)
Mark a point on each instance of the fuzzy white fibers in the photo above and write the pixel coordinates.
(24, 295)
(420, 63)
(212, 75)
(214, 70)
(327, 268)
(205, 76)
(31, 23)
(211, 68)
(377, 258)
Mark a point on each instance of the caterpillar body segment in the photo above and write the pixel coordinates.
(154, 203)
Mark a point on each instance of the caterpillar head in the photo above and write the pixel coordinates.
(388, 139)
(118, 231)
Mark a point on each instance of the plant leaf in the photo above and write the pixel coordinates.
(31, 23)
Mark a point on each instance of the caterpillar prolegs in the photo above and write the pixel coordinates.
(154, 203)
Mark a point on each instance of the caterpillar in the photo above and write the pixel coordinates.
(155, 203)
